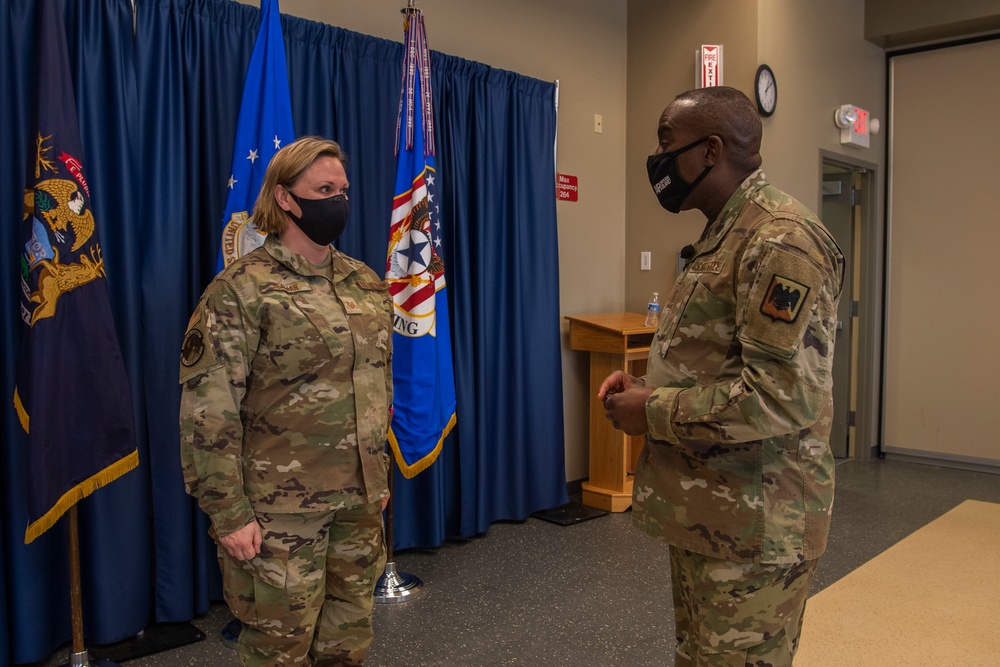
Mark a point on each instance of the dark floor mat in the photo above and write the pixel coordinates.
(155, 638)
(569, 514)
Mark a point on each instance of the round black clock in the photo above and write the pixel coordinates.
(765, 90)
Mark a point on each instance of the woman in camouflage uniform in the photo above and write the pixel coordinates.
(286, 393)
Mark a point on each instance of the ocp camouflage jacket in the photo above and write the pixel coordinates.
(286, 387)
(737, 463)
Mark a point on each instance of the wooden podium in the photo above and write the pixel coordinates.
(616, 341)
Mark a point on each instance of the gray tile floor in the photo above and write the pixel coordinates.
(596, 593)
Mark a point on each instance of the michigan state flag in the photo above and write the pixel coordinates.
(264, 126)
(423, 379)
(71, 394)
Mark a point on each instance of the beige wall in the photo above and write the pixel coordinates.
(820, 59)
(663, 36)
(581, 43)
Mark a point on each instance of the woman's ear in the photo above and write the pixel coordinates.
(281, 196)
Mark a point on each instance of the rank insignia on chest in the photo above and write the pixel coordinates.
(350, 305)
(783, 299)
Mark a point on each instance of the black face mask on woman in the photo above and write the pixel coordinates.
(322, 220)
(667, 183)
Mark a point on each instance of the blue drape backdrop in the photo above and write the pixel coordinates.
(158, 113)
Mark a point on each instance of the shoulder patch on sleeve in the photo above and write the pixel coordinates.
(781, 300)
(197, 352)
(193, 347)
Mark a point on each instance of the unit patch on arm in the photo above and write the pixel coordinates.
(193, 347)
(781, 300)
(197, 351)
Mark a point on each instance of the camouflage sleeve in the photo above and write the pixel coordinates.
(787, 294)
(215, 361)
(388, 356)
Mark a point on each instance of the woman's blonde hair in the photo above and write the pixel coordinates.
(285, 168)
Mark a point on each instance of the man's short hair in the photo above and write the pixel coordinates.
(729, 114)
(285, 168)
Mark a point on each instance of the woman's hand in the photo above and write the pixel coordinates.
(243, 544)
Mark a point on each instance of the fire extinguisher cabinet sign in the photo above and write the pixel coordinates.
(708, 65)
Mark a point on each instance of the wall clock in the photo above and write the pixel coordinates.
(765, 90)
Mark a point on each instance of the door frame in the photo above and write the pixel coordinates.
(840, 212)
(870, 262)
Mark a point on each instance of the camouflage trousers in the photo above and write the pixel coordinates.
(307, 598)
(731, 614)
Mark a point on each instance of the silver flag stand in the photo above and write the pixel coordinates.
(394, 586)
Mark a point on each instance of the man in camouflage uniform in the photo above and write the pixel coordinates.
(286, 391)
(736, 473)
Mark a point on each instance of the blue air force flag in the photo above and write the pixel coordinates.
(71, 394)
(423, 378)
(265, 124)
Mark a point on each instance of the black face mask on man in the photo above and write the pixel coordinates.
(667, 183)
(322, 220)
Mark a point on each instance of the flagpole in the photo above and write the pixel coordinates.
(79, 657)
(394, 586)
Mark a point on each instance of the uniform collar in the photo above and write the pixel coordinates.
(339, 267)
(718, 228)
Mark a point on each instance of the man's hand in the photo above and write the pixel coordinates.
(624, 398)
(385, 502)
(244, 543)
(616, 383)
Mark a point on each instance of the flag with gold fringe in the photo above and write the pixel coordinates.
(71, 395)
(423, 377)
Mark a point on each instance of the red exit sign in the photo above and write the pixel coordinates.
(566, 187)
(855, 126)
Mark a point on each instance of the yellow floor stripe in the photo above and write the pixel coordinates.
(932, 599)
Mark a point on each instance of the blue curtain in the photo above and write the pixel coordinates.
(158, 115)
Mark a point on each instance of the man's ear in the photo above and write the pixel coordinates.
(714, 148)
